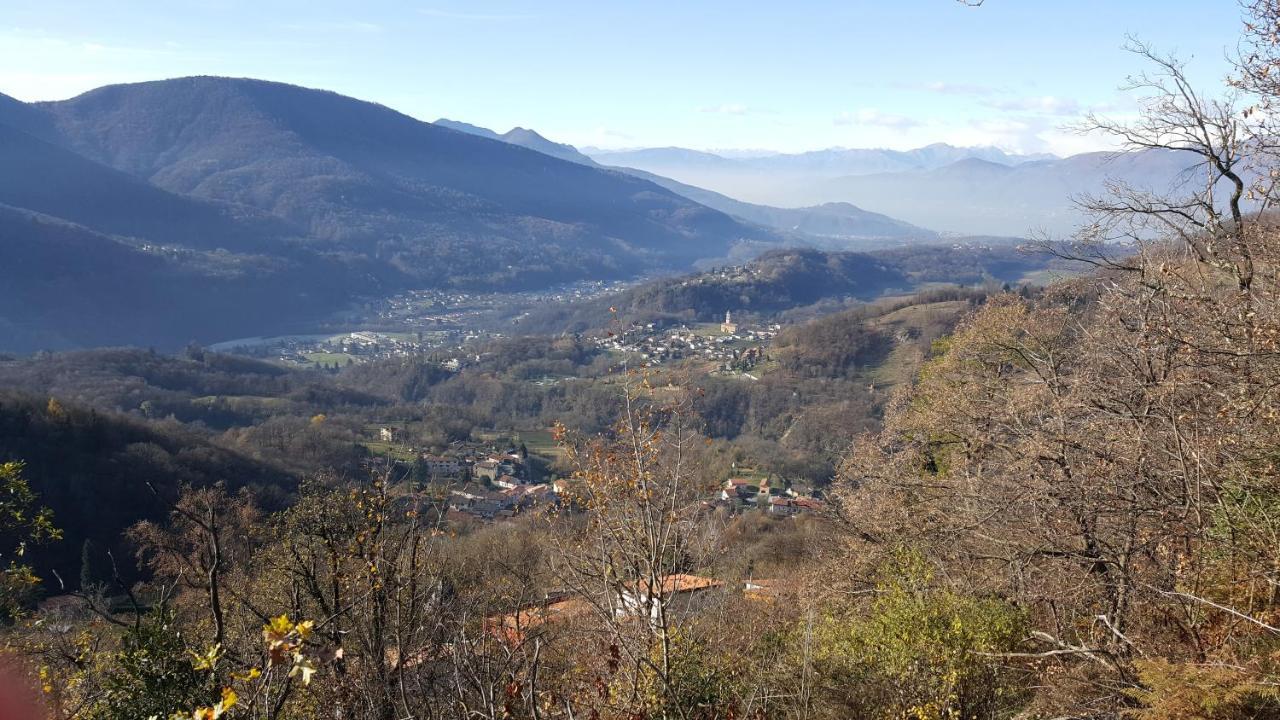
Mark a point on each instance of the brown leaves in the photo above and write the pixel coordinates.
(1100, 457)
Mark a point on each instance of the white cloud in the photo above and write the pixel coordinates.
(1026, 134)
(946, 88)
(1047, 105)
(28, 43)
(872, 117)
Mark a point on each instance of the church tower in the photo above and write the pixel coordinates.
(728, 327)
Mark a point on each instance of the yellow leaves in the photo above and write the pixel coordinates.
(285, 640)
(279, 626)
(228, 701)
(208, 660)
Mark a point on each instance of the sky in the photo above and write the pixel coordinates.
(705, 74)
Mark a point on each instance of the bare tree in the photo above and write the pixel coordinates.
(1205, 210)
(639, 539)
(1101, 455)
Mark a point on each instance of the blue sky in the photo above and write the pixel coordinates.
(708, 74)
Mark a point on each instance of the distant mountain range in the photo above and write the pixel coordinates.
(524, 138)
(971, 191)
(833, 162)
(834, 225)
(198, 208)
(976, 196)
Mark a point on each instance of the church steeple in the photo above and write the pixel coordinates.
(728, 327)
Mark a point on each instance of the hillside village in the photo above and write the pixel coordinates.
(731, 346)
(488, 482)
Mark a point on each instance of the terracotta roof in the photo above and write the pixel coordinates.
(679, 583)
(513, 627)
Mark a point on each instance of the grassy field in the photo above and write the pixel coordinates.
(904, 360)
(1045, 277)
(486, 435)
(328, 358)
(391, 450)
(541, 442)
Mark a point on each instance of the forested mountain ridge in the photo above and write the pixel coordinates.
(69, 286)
(51, 180)
(360, 177)
(523, 137)
(794, 283)
(218, 198)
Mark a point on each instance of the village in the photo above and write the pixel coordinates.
(460, 310)
(417, 322)
(333, 352)
(500, 478)
(733, 348)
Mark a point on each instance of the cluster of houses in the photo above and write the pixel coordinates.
(358, 346)
(499, 503)
(733, 348)
(678, 594)
(368, 344)
(482, 481)
(453, 309)
(777, 499)
(493, 486)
